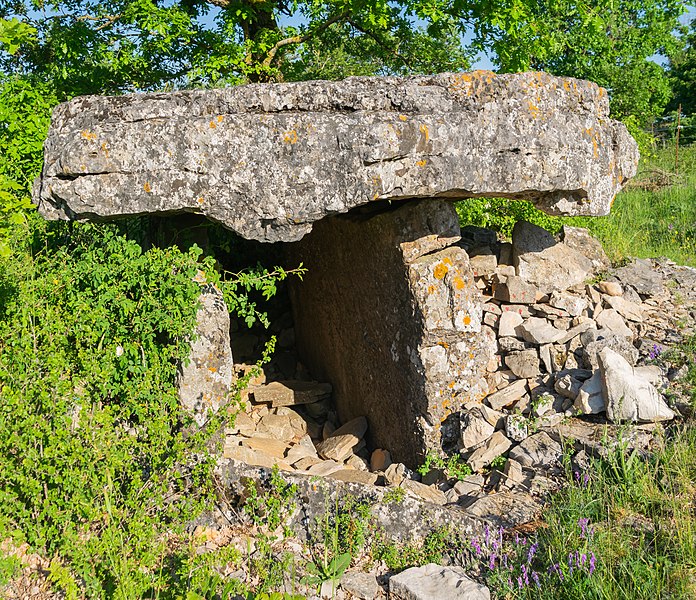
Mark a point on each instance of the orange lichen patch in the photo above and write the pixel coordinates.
(445, 345)
(219, 118)
(467, 320)
(447, 260)
(450, 385)
(88, 135)
(440, 271)
(595, 147)
(200, 200)
(147, 187)
(422, 163)
(431, 289)
(212, 369)
(471, 356)
(459, 283)
(425, 131)
(403, 118)
(534, 110)
(213, 125)
(290, 137)
(105, 149)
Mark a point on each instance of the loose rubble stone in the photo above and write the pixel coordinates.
(204, 382)
(470, 485)
(475, 428)
(610, 288)
(396, 473)
(590, 398)
(510, 344)
(627, 309)
(580, 239)
(618, 343)
(629, 397)
(507, 395)
(539, 331)
(610, 319)
(428, 493)
(524, 364)
(434, 582)
(538, 450)
(496, 445)
(508, 323)
(360, 585)
(549, 265)
(640, 275)
(332, 146)
(269, 446)
(290, 393)
(354, 476)
(506, 509)
(568, 387)
(573, 305)
(516, 427)
(483, 265)
(516, 290)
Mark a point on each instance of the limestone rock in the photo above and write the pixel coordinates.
(629, 396)
(204, 383)
(428, 493)
(380, 460)
(392, 317)
(539, 331)
(590, 398)
(496, 445)
(516, 427)
(542, 261)
(515, 290)
(290, 393)
(640, 275)
(538, 450)
(434, 582)
(328, 147)
(507, 395)
(354, 476)
(475, 428)
(580, 239)
(617, 343)
(627, 309)
(524, 364)
(506, 509)
(360, 585)
(508, 323)
(613, 321)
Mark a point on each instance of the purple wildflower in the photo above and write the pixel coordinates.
(593, 562)
(654, 352)
(532, 551)
(583, 559)
(582, 523)
(487, 533)
(577, 476)
(570, 562)
(477, 546)
(491, 562)
(525, 574)
(535, 577)
(586, 479)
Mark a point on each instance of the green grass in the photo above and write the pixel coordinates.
(654, 216)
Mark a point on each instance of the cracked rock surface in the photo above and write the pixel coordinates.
(268, 160)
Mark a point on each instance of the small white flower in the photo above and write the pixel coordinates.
(119, 350)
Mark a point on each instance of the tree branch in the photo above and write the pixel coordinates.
(299, 39)
(393, 51)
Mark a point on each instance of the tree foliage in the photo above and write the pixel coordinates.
(682, 72)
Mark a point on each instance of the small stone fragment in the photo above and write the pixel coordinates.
(507, 395)
(353, 476)
(290, 393)
(516, 427)
(610, 319)
(610, 288)
(590, 398)
(515, 290)
(508, 323)
(429, 493)
(538, 450)
(627, 309)
(524, 364)
(496, 445)
(360, 585)
(380, 460)
(539, 331)
(475, 428)
(580, 239)
(568, 387)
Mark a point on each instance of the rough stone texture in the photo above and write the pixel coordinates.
(629, 396)
(204, 383)
(548, 264)
(435, 582)
(268, 160)
(390, 315)
(409, 520)
(360, 585)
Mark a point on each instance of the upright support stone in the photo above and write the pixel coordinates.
(205, 381)
(389, 313)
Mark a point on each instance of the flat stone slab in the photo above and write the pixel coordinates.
(268, 160)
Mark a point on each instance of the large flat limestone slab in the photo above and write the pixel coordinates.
(269, 160)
